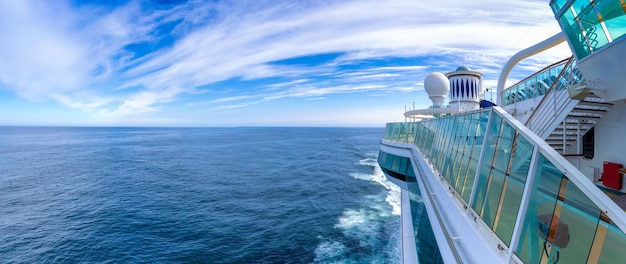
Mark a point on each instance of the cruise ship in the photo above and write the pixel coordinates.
(535, 177)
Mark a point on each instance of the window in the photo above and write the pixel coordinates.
(588, 145)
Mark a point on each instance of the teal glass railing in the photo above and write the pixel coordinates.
(425, 242)
(560, 75)
(536, 202)
(590, 24)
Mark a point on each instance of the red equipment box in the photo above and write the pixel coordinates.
(611, 177)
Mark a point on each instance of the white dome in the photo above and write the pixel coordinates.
(436, 84)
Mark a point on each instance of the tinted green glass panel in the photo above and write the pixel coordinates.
(477, 147)
(395, 165)
(492, 198)
(544, 196)
(614, 18)
(409, 171)
(481, 186)
(505, 146)
(460, 180)
(514, 189)
(573, 31)
(581, 217)
(467, 153)
(581, 6)
(557, 5)
(462, 156)
(591, 24)
(389, 160)
(613, 249)
(445, 137)
(403, 165)
(461, 143)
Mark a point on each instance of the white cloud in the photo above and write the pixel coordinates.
(77, 56)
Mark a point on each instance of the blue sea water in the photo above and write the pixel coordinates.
(195, 195)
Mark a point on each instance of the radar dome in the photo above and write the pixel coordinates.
(437, 86)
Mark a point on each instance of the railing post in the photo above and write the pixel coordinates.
(564, 136)
(523, 209)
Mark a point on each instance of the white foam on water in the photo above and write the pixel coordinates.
(393, 197)
(330, 252)
(369, 225)
(369, 162)
(361, 176)
(356, 219)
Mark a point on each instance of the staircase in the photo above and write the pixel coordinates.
(567, 111)
(580, 119)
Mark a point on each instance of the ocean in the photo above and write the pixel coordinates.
(195, 195)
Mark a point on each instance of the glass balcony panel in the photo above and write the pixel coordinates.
(499, 189)
(552, 75)
(581, 217)
(507, 98)
(462, 145)
(425, 141)
(526, 91)
(468, 182)
(544, 196)
(451, 154)
(467, 153)
(613, 15)
(436, 143)
(520, 92)
(514, 189)
(409, 133)
(421, 141)
(613, 248)
(485, 169)
(473, 163)
(462, 173)
(419, 136)
(445, 138)
(505, 145)
(492, 198)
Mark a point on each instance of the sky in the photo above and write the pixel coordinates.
(251, 62)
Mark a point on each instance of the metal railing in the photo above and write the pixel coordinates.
(534, 85)
(483, 158)
(554, 106)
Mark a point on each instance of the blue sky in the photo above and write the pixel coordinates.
(257, 63)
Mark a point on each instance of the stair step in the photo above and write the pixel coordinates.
(583, 117)
(589, 123)
(588, 111)
(583, 126)
(560, 137)
(592, 95)
(593, 103)
(549, 140)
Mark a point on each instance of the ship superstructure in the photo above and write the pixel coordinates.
(536, 179)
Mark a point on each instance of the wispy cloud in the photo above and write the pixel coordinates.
(141, 57)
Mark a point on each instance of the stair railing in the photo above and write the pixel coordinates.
(554, 106)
